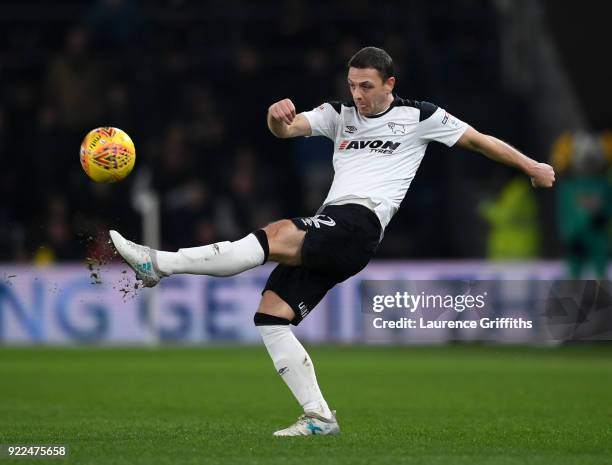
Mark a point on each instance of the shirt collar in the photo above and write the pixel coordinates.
(393, 103)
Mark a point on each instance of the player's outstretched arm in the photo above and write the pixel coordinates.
(541, 174)
(284, 123)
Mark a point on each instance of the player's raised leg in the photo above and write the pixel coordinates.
(280, 241)
(294, 365)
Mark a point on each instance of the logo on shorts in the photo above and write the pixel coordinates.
(303, 309)
(318, 220)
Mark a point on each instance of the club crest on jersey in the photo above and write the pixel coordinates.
(375, 145)
(397, 128)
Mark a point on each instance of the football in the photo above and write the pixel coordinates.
(107, 154)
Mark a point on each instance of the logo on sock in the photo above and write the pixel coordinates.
(216, 249)
(283, 370)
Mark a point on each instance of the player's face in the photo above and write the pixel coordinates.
(370, 93)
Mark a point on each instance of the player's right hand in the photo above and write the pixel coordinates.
(283, 110)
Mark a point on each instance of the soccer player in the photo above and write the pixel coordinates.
(379, 142)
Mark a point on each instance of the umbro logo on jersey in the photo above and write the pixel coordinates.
(375, 146)
(351, 129)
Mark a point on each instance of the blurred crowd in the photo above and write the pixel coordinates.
(191, 83)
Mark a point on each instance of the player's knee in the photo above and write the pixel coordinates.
(271, 304)
(265, 319)
(279, 312)
(279, 229)
(285, 241)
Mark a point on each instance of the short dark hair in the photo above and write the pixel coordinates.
(373, 57)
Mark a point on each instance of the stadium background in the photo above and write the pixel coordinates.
(191, 83)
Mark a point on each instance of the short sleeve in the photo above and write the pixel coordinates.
(441, 127)
(323, 120)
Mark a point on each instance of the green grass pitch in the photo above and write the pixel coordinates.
(447, 405)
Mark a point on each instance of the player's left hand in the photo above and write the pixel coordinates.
(542, 175)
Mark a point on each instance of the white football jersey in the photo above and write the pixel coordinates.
(376, 157)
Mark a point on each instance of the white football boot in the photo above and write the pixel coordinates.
(139, 257)
(311, 424)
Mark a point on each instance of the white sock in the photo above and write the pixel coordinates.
(295, 367)
(219, 259)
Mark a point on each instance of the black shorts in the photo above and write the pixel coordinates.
(338, 244)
